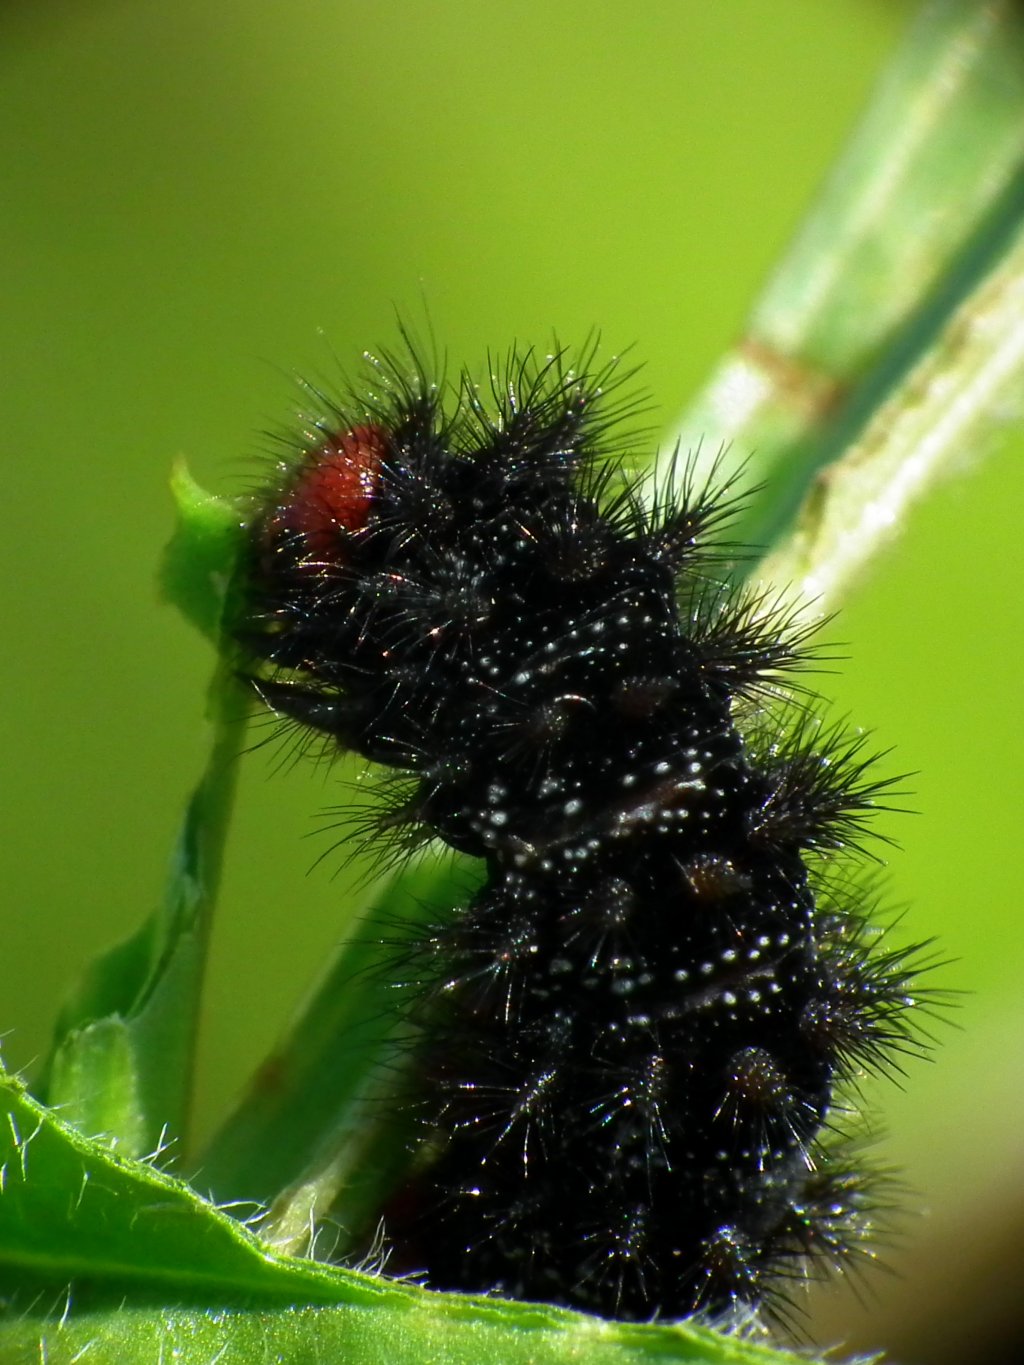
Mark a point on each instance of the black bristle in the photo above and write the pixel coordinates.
(636, 1029)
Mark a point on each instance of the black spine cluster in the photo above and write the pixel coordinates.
(640, 1022)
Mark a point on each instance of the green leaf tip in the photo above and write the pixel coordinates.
(198, 569)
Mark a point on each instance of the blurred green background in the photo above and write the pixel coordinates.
(199, 199)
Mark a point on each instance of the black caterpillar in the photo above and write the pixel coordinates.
(641, 1022)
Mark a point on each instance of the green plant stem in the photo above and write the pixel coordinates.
(940, 418)
(914, 212)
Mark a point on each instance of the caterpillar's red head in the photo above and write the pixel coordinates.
(331, 493)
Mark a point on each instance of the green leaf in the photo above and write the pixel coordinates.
(325, 1336)
(71, 1208)
(123, 1055)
